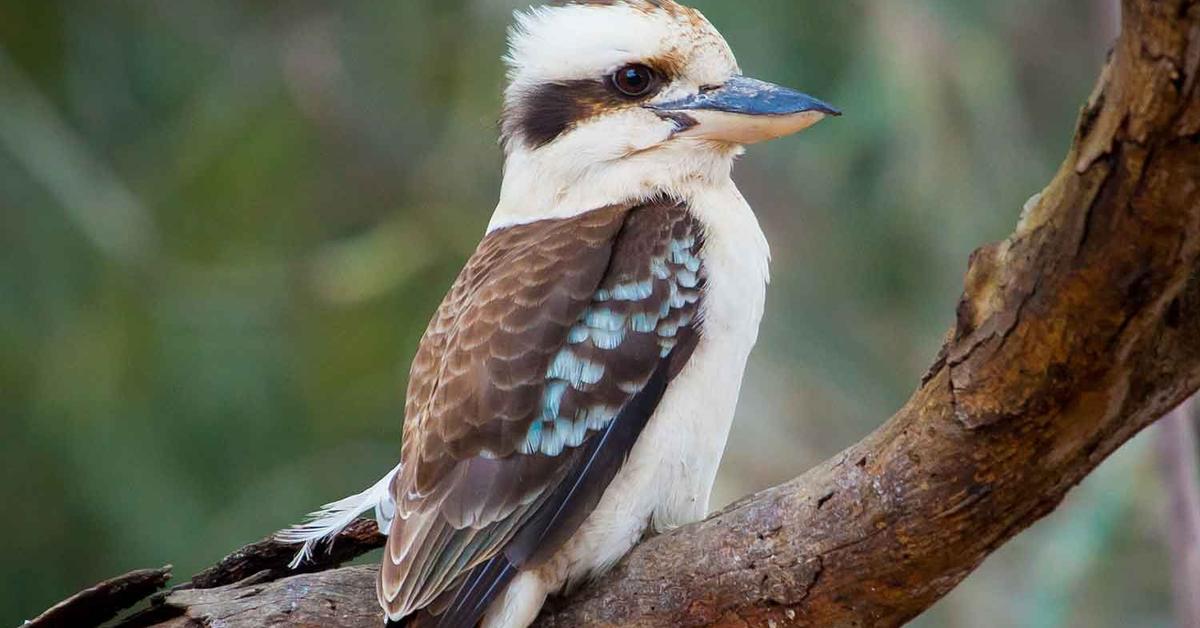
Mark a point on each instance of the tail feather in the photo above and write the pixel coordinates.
(327, 523)
(470, 601)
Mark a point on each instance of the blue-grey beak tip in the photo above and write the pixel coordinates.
(827, 109)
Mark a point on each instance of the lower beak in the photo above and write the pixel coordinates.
(748, 111)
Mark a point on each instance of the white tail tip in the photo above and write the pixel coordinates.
(326, 523)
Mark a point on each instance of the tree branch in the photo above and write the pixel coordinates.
(104, 601)
(1072, 335)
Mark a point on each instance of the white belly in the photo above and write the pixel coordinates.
(670, 473)
(669, 476)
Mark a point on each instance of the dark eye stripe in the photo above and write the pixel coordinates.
(542, 113)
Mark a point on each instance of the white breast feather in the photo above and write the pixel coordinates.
(669, 476)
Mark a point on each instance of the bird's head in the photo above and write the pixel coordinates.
(610, 101)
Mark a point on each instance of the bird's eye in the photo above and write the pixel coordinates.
(635, 80)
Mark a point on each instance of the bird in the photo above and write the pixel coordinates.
(576, 388)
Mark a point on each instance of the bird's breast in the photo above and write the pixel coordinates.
(669, 475)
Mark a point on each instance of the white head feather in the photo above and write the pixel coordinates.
(617, 156)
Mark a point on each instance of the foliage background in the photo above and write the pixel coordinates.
(224, 224)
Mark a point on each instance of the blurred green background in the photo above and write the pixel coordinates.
(224, 224)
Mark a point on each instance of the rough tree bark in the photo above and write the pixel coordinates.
(1072, 335)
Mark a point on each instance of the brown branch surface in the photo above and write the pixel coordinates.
(341, 598)
(1072, 335)
(94, 606)
(269, 559)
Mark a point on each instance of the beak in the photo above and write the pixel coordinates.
(747, 111)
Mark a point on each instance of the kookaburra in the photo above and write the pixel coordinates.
(577, 385)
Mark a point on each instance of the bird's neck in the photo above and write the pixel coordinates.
(542, 185)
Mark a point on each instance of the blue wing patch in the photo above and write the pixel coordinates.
(661, 301)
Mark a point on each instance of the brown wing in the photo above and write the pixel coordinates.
(530, 387)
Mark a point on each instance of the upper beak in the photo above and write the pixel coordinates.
(748, 111)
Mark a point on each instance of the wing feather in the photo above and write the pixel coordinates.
(531, 386)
